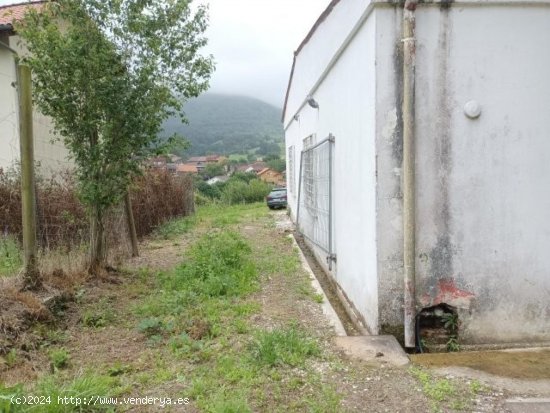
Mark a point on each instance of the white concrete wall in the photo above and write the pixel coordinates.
(318, 52)
(347, 110)
(483, 203)
(389, 156)
(49, 152)
(9, 122)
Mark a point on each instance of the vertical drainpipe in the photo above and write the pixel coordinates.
(409, 61)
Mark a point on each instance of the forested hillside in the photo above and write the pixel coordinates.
(229, 124)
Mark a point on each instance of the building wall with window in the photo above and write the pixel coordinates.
(352, 122)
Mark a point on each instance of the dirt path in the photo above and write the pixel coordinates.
(268, 350)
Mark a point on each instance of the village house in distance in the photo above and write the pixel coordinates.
(463, 228)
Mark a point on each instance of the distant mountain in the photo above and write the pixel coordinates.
(229, 124)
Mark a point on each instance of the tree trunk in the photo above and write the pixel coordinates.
(97, 242)
(32, 278)
(131, 224)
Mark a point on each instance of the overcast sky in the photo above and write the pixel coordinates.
(252, 42)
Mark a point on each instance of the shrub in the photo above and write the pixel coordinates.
(240, 192)
(218, 265)
(157, 196)
(59, 358)
(10, 256)
(289, 346)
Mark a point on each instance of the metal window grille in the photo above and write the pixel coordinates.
(308, 164)
(314, 214)
(291, 174)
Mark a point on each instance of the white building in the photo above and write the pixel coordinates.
(482, 170)
(51, 154)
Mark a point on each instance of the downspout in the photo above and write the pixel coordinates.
(409, 61)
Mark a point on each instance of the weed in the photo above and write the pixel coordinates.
(218, 265)
(289, 346)
(453, 345)
(11, 358)
(10, 256)
(92, 318)
(59, 358)
(174, 228)
(229, 403)
(450, 322)
(438, 390)
(6, 394)
(118, 369)
(151, 327)
(318, 298)
(327, 401)
(241, 327)
(100, 315)
(83, 387)
(476, 387)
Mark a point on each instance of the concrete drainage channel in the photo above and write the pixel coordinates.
(350, 337)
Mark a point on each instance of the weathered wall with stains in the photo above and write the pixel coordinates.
(483, 179)
(389, 151)
(482, 207)
(482, 202)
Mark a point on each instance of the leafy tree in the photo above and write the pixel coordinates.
(278, 165)
(109, 73)
(275, 162)
(214, 169)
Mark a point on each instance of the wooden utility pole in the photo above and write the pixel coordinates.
(131, 224)
(28, 196)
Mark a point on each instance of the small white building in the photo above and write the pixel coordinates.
(50, 153)
(481, 128)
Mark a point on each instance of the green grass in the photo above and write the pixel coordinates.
(99, 315)
(445, 393)
(10, 256)
(287, 346)
(198, 319)
(175, 227)
(54, 388)
(436, 389)
(59, 358)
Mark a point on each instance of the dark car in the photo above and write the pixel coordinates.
(276, 198)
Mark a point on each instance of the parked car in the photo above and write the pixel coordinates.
(276, 198)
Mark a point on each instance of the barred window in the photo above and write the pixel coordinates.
(308, 167)
(291, 176)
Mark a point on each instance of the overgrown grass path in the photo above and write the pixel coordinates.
(217, 316)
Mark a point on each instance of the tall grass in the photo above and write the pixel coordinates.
(10, 256)
(157, 196)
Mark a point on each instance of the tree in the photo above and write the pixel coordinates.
(109, 73)
(214, 169)
(275, 162)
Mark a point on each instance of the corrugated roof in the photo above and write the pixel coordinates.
(13, 12)
(320, 20)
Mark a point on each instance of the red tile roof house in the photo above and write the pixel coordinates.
(51, 156)
(187, 168)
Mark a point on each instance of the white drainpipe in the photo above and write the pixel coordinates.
(409, 61)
